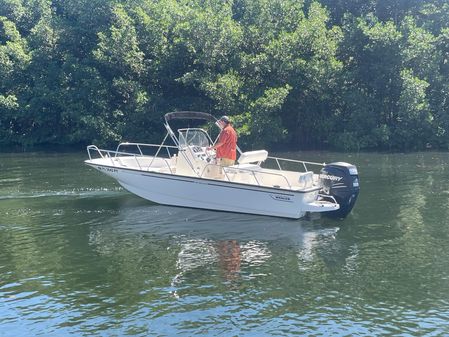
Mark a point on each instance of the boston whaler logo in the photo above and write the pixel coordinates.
(281, 197)
(330, 177)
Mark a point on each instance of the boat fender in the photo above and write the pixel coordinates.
(341, 181)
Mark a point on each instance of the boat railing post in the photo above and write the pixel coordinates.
(255, 178)
(168, 151)
(157, 152)
(140, 150)
(288, 183)
(279, 165)
(137, 161)
(92, 147)
(226, 174)
(117, 150)
(108, 153)
(305, 167)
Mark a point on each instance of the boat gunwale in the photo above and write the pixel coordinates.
(209, 180)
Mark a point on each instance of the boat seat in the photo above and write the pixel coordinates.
(253, 157)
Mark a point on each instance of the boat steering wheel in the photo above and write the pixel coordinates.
(210, 154)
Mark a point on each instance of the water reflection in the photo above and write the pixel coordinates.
(229, 258)
(229, 248)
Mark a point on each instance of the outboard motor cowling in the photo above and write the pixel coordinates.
(341, 181)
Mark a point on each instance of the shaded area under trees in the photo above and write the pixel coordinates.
(350, 75)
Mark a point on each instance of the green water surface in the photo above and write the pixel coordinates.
(80, 256)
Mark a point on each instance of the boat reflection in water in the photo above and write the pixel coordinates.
(228, 248)
(229, 258)
(227, 255)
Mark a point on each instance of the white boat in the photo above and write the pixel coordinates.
(186, 174)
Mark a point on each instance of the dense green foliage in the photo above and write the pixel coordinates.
(371, 74)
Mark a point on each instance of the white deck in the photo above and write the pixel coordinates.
(251, 174)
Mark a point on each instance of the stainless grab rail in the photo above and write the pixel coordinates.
(115, 154)
(303, 162)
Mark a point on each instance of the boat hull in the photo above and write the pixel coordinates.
(185, 191)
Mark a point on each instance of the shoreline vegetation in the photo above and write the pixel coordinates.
(358, 75)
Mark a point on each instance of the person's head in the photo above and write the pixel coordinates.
(224, 120)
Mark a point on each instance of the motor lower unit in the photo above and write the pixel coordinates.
(341, 181)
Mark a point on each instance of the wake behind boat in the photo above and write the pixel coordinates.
(187, 174)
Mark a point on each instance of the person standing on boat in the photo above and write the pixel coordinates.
(227, 143)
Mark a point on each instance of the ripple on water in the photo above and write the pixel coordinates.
(74, 193)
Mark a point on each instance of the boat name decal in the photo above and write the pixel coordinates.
(330, 177)
(107, 169)
(279, 197)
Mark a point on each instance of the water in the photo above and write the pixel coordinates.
(81, 256)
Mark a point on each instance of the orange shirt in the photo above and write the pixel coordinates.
(227, 143)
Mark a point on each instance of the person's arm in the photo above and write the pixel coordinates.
(219, 144)
(221, 140)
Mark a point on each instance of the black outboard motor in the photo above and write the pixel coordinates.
(341, 181)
